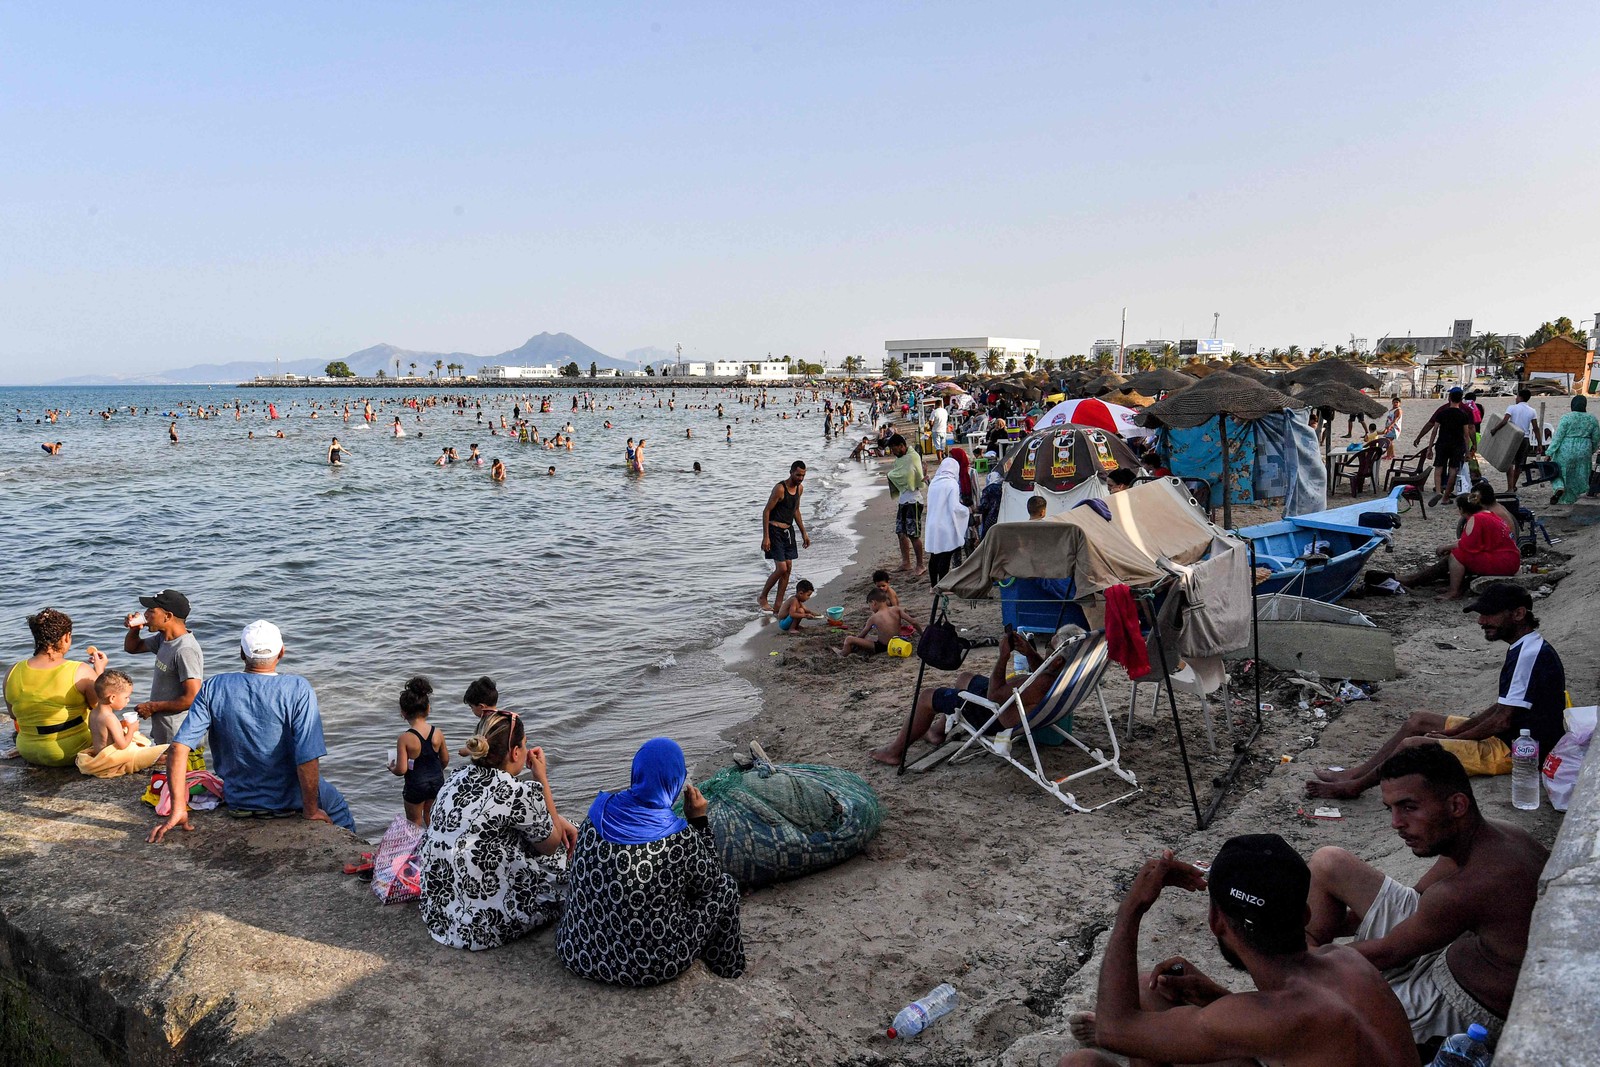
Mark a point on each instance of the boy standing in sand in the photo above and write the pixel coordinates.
(885, 620)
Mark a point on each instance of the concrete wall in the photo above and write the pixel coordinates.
(1553, 1018)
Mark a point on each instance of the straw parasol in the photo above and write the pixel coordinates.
(1104, 383)
(1218, 396)
(1197, 368)
(1249, 370)
(1128, 399)
(1159, 380)
(1333, 370)
(1336, 396)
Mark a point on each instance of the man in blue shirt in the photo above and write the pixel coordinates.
(1532, 697)
(266, 740)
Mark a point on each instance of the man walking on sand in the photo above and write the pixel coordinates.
(779, 521)
(1452, 427)
(1452, 946)
(1532, 697)
(1526, 419)
(939, 424)
(1322, 1007)
(906, 478)
(179, 666)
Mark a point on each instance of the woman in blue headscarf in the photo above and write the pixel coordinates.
(646, 892)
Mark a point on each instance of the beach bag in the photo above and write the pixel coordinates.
(1564, 764)
(941, 647)
(395, 874)
(777, 821)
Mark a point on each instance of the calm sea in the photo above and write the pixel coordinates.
(599, 601)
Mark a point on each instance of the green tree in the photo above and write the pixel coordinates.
(380, 372)
(594, 369)
(570, 371)
(892, 369)
(649, 371)
(1168, 357)
(1049, 366)
(339, 369)
(1011, 364)
(438, 366)
(1141, 358)
(413, 370)
(1103, 361)
(851, 365)
(991, 360)
(961, 359)
(1547, 331)
(1028, 360)
(1489, 348)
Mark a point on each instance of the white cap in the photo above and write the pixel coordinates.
(261, 640)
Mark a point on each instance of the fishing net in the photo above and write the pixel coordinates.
(777, 821)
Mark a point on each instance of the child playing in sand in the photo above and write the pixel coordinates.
(885, 620)
(795, 610)
(880, 581)
(421, 760)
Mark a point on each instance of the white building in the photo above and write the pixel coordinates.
(755, 370)
(546, 371)
(928, 356)
(683, 370)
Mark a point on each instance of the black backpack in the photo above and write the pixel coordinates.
(941, 647)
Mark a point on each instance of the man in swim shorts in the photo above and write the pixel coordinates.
(780, 520)
(1451, 947)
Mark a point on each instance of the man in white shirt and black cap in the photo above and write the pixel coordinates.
(179, 667)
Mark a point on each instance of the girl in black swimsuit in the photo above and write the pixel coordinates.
(420, 759)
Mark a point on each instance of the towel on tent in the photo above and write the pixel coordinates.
(1218, 594)
(1308, 477)
(1124, 643)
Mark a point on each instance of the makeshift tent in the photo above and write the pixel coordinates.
(1093, 411)
(1064, 464)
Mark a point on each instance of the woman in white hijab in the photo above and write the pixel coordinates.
(945, 529)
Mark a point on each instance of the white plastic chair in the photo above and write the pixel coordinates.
(1183, 681)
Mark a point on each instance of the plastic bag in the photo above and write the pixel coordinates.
(395, 874)
(1564, 764)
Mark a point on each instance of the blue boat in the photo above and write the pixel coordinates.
(1321, 555)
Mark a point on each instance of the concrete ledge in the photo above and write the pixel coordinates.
(1552, 1015)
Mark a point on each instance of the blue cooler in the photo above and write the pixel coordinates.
(1039, 605)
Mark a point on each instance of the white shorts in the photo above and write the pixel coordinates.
(1432, 998)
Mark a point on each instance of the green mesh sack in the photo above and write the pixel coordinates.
(778, 821)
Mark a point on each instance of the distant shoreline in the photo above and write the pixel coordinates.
(499, 383)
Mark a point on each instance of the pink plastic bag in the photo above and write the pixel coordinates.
(1565, 762)
(395, 875)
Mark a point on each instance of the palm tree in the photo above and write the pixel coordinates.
(1028, 360)
(1103, 361)
(1293, 353)
(1169, 357)
(891, 368)
(1049, 366)
(413, 370)
(851, 364)
(1488, 346)
(991, 362)
(438, 365)
(1141, 358)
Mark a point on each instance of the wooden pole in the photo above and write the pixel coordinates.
(1227, 506)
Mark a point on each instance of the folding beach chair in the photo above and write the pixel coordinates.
(1083, 661)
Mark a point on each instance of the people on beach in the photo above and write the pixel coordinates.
(179, 661)
(1451, 443)
(906, 478)
(1572, 450)
(1532, 697)
(781, 519)
(795, 611)
(1523, 416)
(1393, 426)
(265, 741)
(494, 858)
(336, 454)
(482, 696)
(1322, 1007)
(172, 432)
(497, 471)
(883, 622)
(1121, 480)
(939, 428)
(420, 759)
(51, 448)
(947, 517)
(1484, 547)
(1452, 946)
(646, 893)
(880, 581)
(49, 696)
(116, 747)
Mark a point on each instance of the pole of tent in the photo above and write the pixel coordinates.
(1241, 749)
(916, 694)
(1147, 598)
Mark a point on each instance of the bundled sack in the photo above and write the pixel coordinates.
(777, 821)
(1564, 764)
(395, 874)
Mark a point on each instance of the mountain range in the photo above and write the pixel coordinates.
(556, 349)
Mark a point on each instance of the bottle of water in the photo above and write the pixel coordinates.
(1525, 772)
(915, 1017)
(1465, 1050)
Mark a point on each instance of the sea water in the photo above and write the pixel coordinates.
(598, 600)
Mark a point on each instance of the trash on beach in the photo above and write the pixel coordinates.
(1285, 759)
(1268, 708)
(1325, 814)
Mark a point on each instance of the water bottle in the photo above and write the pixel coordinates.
(1465, 1050)
(915, 1017)
(1525, 772)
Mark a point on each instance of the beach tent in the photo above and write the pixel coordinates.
(1064, 464)
(1094, 411)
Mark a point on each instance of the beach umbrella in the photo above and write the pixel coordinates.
(1093, 411)
(1127, 399)
(1102, 383)
(947, 388)
(1249, 370)
(1333, 370)
(1336, 396)
(1159, 380)
(1218, 396)
(1197, 369)
(1064, 464)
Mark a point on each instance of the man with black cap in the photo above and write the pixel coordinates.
(1533, 697)
(180, 665)
(1452, 425)
(1325, 1006)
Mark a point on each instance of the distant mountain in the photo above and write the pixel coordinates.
(557, 349)
(651, 354)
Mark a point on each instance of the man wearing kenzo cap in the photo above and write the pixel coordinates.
(1325, 1007)
(179, 666)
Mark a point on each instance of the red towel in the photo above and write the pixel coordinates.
(1124, 643)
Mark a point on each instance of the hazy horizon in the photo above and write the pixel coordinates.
(205, 185)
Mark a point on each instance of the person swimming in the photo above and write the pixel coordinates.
(336, 454)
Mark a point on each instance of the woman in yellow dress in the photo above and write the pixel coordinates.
(50, 696)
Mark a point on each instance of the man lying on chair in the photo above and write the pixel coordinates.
(934, 704)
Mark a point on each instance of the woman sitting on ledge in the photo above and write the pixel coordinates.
(50, 696)
(1485, 548)
(494, 856)
(646, 893)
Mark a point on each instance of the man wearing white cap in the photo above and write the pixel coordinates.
(266, 741)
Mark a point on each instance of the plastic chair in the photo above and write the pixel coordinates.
(1183, 681)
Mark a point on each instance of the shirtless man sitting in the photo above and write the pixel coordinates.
(934, 704)
(1310, 1008)
(1452, 946)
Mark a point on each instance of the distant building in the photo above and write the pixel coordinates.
(683, 370)
(929, 356)
(546, 371)
(1455, 341)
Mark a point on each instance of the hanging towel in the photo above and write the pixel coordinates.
(1124, 643)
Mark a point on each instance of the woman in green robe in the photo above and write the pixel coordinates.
(1572, 449)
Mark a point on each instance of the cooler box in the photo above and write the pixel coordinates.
(1039, 605)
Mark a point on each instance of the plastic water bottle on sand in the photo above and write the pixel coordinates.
(915, 1017)
(1525, 772)
(1465, 1050)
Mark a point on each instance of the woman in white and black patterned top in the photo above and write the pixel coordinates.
(646, 892)
(494, 856)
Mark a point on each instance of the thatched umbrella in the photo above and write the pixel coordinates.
(1159, 380)
(1249, 370)
(1330, 396)
(1104, 383)
(1128, 399)
(1218, 396)
(1334, 370)
(1198, 368)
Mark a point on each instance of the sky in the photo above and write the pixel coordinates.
(188, 183)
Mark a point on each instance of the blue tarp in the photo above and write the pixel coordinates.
(1197, 453)
(1308, 482)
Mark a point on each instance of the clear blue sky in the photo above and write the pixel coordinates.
(203, 182)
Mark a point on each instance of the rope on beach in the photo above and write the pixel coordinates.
(777, 821)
